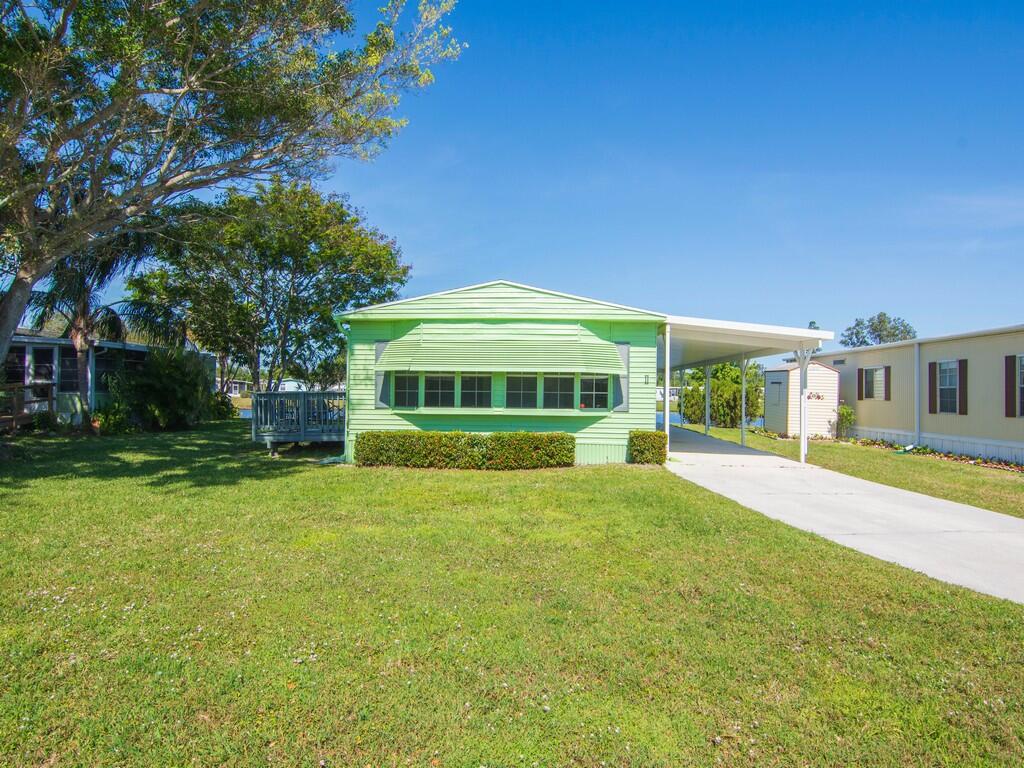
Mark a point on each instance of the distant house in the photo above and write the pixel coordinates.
(962, 393)
(782, 399)
(38, 359)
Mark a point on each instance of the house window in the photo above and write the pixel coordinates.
(558, 391)
(594, 392)
(874, 383)
(105, 363)
(42, 364)
(521, 391)
(407, 390)
(1020, 388)
(439, 391)
(14, 366)
(68, 370)
(949, 379)
(476, 391)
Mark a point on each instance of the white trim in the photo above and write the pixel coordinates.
(874, 395)
(938, 388)
(917, 392)
(928, 340)
(548, 291)
(750, 329)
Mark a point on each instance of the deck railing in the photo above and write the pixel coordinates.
(298, 417)
(19, 403)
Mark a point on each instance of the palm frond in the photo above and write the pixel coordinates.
(152, 322)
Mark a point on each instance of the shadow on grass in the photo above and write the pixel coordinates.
(215, 454)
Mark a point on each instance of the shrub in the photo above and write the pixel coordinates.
(647, 446)
(845, 417)
(114, 419)
(530, 450)
(221, 407)
(465, 450)
(173, 389)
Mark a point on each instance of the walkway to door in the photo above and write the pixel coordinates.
(953, 542)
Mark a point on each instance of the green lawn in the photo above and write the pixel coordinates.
(997, 489)
(185, 600)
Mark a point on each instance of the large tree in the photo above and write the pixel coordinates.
(261, 277)
(877, 329)
(113, 108)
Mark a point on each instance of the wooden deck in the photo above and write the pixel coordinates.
(21, 403)
(298, 417)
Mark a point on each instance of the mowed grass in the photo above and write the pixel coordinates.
(185, 600)
(997, 489)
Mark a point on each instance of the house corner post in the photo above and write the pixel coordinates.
(707, 399)
(803, 357)
(743, 401)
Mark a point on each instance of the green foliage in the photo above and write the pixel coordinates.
(260, 278)
(172, 390)
(726, 395)
(46, 421)
(845, 416)
(647, 446)
(221, 407)
(111, 108)
(115, 419)
(465, 450)
(877, 329)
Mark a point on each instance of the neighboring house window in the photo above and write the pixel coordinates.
(874, 383)
(68, 370)
(14, 366)
(439, 391)
(948, 383)
(476, 391)
(42, 364)
(594, 392)
(1020, 381)
(558, 391)
(407, 390)
(521, 391)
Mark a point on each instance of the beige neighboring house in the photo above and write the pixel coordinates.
(782, 399)
(961, 394)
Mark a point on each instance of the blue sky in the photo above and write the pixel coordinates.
(770, 162)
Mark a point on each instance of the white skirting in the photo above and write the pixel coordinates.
(965, 446)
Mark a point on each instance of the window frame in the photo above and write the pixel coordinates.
(560, 394)
(68, 354)
(395, 390)
(476, 392)
(607, 392)
(427, 392)
(536, 390)
(1020, 386)
(872, 371)
(54, 364)
(955, 366)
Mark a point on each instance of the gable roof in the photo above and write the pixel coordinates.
(501, 299)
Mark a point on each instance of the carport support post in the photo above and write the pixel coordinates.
(803, 357)
(743, 401)
(668, 380)
(707, 399)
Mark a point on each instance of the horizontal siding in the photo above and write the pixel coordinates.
(597, 429)
(502, 301)
(897, 413)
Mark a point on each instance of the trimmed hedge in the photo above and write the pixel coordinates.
(465, 450)
(647, 446)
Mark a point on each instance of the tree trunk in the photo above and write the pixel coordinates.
(82, 363)
(12, 307)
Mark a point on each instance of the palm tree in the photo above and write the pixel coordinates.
(75, 297)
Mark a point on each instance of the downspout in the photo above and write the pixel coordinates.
(917, 393)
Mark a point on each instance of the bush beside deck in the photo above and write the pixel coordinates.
(182, 599)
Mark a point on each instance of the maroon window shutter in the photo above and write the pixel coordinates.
(888, 384)
(860, 383)
(933, 387)
(1010, 388)
(961, 385)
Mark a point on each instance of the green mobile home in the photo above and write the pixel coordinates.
(503, 357)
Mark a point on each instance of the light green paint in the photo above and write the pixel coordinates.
(551, 333)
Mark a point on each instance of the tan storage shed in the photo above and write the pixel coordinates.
(782, 399)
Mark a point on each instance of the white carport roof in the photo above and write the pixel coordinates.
(695, 342)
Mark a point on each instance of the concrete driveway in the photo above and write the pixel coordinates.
(953, 542)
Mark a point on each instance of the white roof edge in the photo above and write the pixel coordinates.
(504, 282)
(925, 340)
(751, 328)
